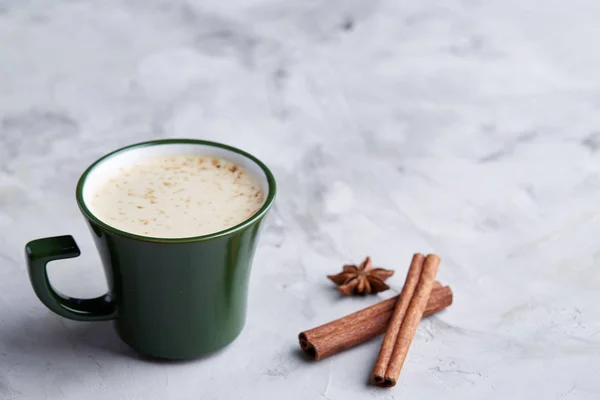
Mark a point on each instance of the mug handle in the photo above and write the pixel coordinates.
(39, 253)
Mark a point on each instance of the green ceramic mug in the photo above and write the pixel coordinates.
(169, 298)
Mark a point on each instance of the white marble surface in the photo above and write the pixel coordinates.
(468, 128)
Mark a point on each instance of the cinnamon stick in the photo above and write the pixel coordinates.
(387, 368)
(410, 285)
(360, 326)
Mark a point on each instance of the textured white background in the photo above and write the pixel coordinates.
(467, 128)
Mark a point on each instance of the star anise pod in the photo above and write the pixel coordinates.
(361, 279)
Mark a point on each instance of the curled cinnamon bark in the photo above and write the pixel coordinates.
(408, 290)
(363, 325)
(406, 318)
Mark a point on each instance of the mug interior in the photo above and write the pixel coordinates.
(110, 166)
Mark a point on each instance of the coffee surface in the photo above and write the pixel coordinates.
(177, 196)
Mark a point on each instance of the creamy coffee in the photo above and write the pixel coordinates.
(176, 196)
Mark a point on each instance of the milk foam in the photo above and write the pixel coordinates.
(177, 196)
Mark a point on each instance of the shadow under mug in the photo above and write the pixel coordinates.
(169, 298)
